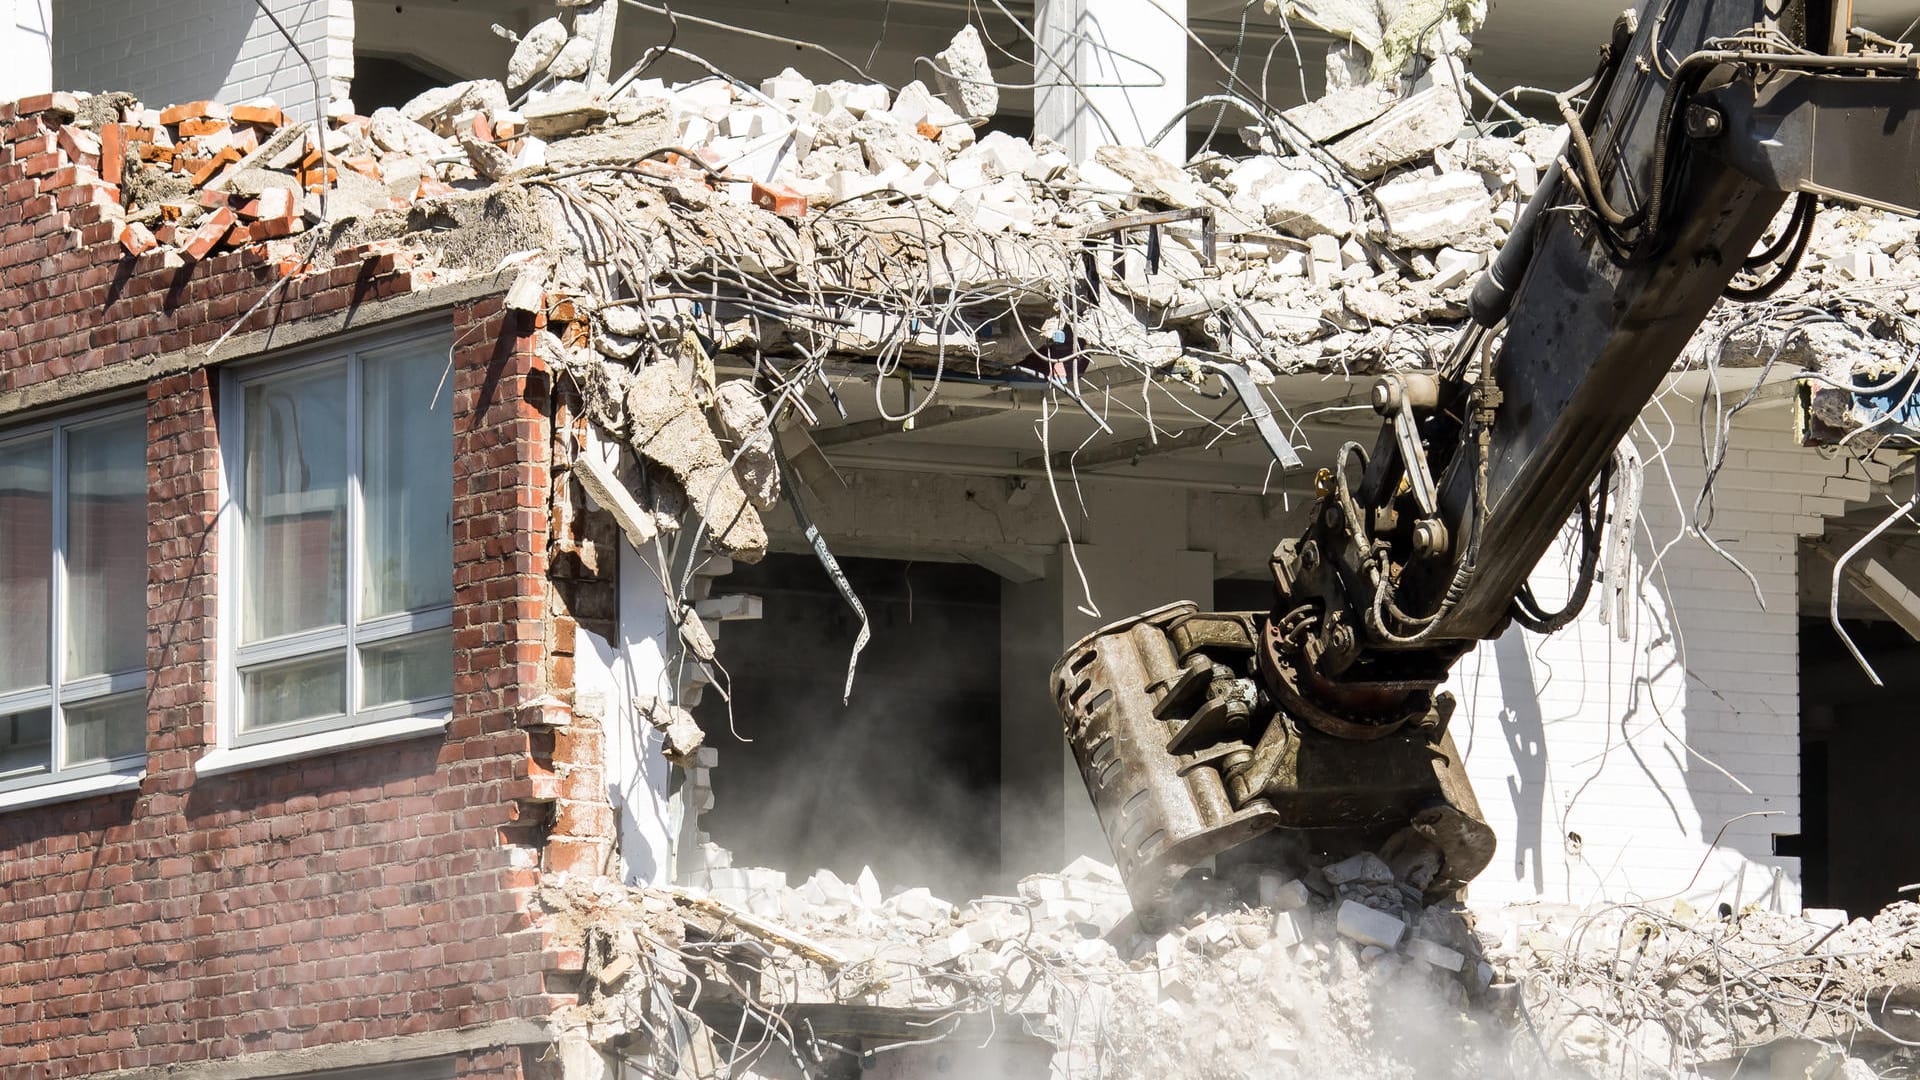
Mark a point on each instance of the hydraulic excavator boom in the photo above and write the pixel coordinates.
(1318, 722)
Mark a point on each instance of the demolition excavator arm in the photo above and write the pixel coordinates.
(1318, 723)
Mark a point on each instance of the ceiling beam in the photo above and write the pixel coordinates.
(933, 416)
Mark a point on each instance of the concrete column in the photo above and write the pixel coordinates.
(1135, 558)
(1129, 61)
(26, 50)
(637, 773)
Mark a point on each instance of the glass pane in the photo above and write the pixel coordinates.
(406, 483)
(105, 728)
(294, 503)
(106, 598)
(303, 689)
(414, 668)
(26, 743)
(26, 561)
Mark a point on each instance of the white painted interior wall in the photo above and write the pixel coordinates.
(173, 51)
(26, 49)
(1647, 748)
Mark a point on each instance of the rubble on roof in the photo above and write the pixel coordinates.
(803, 221)
(1338, 971)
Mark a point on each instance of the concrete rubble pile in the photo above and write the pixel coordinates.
(666, 237)
(804, 220)
(1341, 971)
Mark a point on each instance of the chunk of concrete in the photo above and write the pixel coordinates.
(624, 144)
(536, 50)
(1369, 926)
(1302, 204)
(1453, 267)
(573, 59)
(1152, 175)
(557, 115)
(1289, 928)
(743, 420)
(1424, 211)
(1365, 868)
(1408, 131)
(1435, 955)
(966, 77)
(1284, 896)
(668, 427)
(396, 134)
(1341, 111)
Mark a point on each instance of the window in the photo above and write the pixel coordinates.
(73, 599)
(341, 602)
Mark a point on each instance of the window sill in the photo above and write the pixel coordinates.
(235, 758)
(65, 790)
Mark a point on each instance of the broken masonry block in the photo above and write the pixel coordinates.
(1369, 926)
(193, 110)
(779, 199)
(1365, 868)
(1290, 927)
(966, 76)
(261, 115)
(211, 231)
(137, 239)
(1435, 954)
(1291, 896)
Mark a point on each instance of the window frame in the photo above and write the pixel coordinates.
(237, 747)
(59, 693)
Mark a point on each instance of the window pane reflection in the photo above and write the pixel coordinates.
(295, 503)
(106, 596)
(406, 485)
(26, 561)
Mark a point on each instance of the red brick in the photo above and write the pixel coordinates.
(113, 150)
(193, 110)
(59, 102)
(210, 231)
(264, 115)
(780, 199)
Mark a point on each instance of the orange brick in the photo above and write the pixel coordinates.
(113, 152)
(194, 110)
(271, 228)
(137, 238)
(780, 199)
(246, 140)
(68, 176)
(211, 232)
(81, 146)
(214, 164)
(268, 116)
(929, 131)
(196, 127)
(57, 102)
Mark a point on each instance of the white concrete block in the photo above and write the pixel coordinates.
(1365, 868)
(1435, 954)
(1290, 927)
(1369, 926)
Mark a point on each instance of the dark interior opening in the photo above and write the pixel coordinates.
(1858, 743)
(906, 775)
(382, 81)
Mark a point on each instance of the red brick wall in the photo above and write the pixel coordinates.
(355, 895)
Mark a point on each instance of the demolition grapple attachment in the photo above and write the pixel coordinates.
(1187, 757)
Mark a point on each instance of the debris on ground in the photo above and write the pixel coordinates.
(1341, 971)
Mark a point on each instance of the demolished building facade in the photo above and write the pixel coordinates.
(464, 420)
